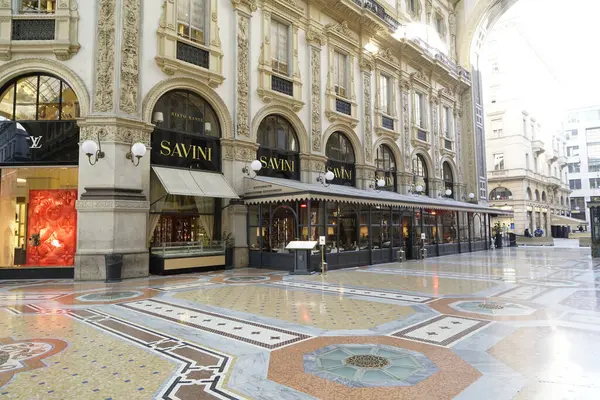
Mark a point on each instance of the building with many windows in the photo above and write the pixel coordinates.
(582, 130)
(525, 146)
(150, 129)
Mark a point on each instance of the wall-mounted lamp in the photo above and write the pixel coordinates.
(448, 193)
(471, 196)
(416, 189)
(324, 178)
(158, 118)
(378, 184)
(255, 166)
(91, 148)
(207, 127)
(137, 151)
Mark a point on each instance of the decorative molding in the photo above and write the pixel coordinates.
(105, 57)
(244, 5)
(315, 37)
(420, 77)
(343, 32)
(435, 126)
(108, 205)
(404, 88)
(315, 99)
(109, 131)
(428, 10)
(243, 72)
(130, 58)
(367, 122)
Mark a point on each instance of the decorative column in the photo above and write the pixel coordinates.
(366, 67)
(434, 102)
(315, 41)
(113, 205)
(243, 10)
(405, 101)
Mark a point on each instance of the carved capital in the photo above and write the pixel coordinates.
(245, 5)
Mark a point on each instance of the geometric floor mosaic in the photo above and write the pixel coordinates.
(505, 324)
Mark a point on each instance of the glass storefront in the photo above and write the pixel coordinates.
(38, 219)
(341, 159)
(39, 154)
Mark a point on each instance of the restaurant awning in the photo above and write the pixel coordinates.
(274, 190)
(568, 221)
(185, 182)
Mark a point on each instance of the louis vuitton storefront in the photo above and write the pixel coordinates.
(39, 156)
(186, 185)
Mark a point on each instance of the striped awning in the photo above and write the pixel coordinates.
(263, 190)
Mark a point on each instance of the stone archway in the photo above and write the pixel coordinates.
(290, 116)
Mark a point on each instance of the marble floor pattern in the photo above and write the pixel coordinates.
(518, 323)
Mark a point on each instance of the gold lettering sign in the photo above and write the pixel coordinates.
(279, 164)
(183, 150)
(190, 117)
(341, 173)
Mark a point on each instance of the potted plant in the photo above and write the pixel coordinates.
(229, 242)
(497, 230)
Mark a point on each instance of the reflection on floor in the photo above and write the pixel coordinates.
(504, 324)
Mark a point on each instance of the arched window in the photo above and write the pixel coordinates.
(386, 167)
(37, 121)
(187, 132)
(537, 195)
(341, 159)
(420, 172)
(278, 152)
(562, 201)
(186, 112)
(448, 178)
(501, 193)
(543, 196)
(38, 98)
(528, 194)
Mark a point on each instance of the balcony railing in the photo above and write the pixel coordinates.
(448, 144)
(387, 122)
(343, 107)
(33, 29)
(193, 55)
(378, 10)
(282, 85)
(421, 135)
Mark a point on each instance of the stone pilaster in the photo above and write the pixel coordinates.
(405, 101)
(367, 68)
(315, 40)
(243, 10)
(113, 205)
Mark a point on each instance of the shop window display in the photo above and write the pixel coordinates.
(38, 219)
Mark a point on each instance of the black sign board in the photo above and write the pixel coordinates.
(182, 150)
(344, 173)
(278, 164)
(39, 143)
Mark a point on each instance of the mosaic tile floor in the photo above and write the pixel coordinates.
(505, 324)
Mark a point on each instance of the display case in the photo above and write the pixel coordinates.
(173, 257)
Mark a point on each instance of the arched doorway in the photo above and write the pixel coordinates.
(385, 164)
(421, 173)
(39, 154)
(186, 188)
(278, 153)
(448, 179)
(341, 159)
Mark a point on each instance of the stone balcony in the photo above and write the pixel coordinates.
(561, 161)
(538, 147)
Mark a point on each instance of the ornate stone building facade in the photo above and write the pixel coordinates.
(219, 70)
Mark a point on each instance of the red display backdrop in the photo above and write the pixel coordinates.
(52, 215)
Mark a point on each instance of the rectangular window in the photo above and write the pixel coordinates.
(279, 47)
(420, 114)
(571, 133)
(574, 168)
(412, 5)
(386, 98)
(340, 74)
(497, 127)
(527, 161)
(524, 126)
(498, 162)
(577, 204)
(574, 184)
(592, 135)
(447, 122)
(191, 20)
(37, 6)
(535, 164)
(572, 151)
(594, 183)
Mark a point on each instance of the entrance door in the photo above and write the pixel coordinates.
(408, 234)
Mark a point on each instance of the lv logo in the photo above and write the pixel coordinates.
(35, 142)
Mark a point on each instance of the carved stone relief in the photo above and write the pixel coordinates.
(315, 100)
(243, 67)
(368, 127)
(404, 87)
(130, 59)
(435, 130)
(113, 133)
(105, 57)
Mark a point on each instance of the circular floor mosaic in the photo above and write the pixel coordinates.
(245, 279)
(367, 365)
(492, 308)
(109, 296)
